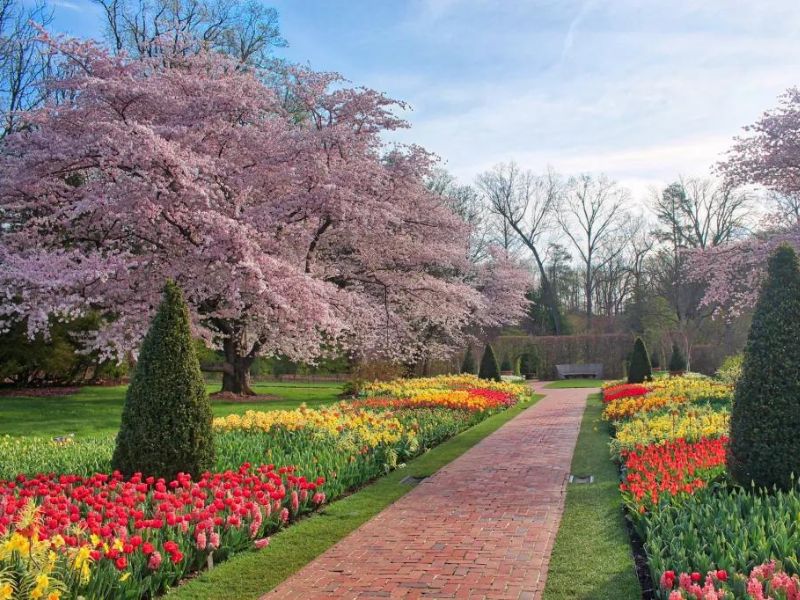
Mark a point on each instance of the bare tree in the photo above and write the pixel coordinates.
(693, 213)
(465, 201)
(245, 29)
(591, 215)
(787, 205)
(619, 278)
(525, 202)
(24, 64)
(701, 212)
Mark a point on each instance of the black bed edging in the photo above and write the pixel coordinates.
(646, 582)
(640, 562)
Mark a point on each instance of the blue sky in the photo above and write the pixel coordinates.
(643, 90)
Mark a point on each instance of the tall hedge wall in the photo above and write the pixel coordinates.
(610, 349)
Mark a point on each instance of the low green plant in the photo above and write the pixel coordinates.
(725, 527)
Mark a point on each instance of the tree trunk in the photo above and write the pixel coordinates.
(548, 293)
(236, 370)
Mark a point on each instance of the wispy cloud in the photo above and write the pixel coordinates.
(65, 4)
(641, 89)
(569, 37)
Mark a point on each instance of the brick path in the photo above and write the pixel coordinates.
(481, 527)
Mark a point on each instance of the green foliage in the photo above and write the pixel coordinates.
(731, 369)
(764, 446)
(166, 419)
(489, 367)
(468, 364)
(506, 365)
(56, 359)
(529, 361)
(677, 362)
(543, 318)
(640, 369)
(725, 528)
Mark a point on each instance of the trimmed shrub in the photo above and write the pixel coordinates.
(468, 364)
(166, 420)
(640, 369)
(677, 362)
(764, 445)
(506, 365)
(489, 367)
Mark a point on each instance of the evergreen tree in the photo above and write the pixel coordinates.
(489, 367)
(764, 444)
(468, 364)
(677, 362)
(640, 369)
(166, 420)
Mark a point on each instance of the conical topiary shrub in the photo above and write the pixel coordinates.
(640, 369)
(764, 445)
(468, 364)
(166, 420)
(489, 368)
(677, 362)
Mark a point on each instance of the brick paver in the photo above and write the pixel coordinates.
(481, 527)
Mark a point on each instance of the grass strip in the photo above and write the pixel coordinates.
(251, 574)
(563, 384)
(96, 410)
(592, 557)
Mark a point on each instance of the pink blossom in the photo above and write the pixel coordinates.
(285, 235)
(201, 540)
(262, 543)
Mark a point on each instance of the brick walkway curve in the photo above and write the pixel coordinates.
(482, 527)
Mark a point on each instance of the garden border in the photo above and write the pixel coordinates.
(253, 573)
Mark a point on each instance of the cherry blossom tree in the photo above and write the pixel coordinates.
(290, 226)
(767, 155)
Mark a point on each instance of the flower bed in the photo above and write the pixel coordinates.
(626, 401)
(692, 424)
(67, 528)
(703, 537)
(764, 582)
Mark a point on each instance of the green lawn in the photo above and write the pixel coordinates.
(574, 383)
(592, 557)
(256, 572)
(97, 409)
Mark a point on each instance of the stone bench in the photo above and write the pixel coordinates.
(571, 371)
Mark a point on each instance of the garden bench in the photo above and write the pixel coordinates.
(570, 371)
